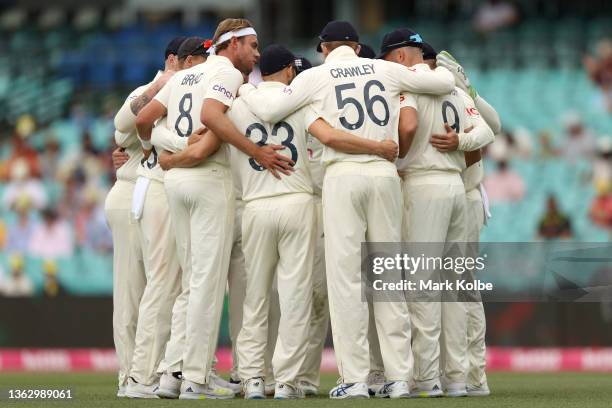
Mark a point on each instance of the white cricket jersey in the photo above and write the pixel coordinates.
(432, 113)
(291, 132)
(357, 95)
(128, 171)
(150, 168)
(129, 140)
(184, 95)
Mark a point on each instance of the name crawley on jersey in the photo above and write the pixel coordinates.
(406, 285)
(349, 72)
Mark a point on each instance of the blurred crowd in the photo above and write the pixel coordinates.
(577, 144)
(52, 203)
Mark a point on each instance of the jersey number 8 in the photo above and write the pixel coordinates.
(264, 137)
(185, 113)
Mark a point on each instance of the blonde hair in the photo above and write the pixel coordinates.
(227, 25)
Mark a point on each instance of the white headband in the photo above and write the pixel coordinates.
(231, 34)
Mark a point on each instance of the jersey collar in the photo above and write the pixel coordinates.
(270, 84)
(344, 52)
(219, 59)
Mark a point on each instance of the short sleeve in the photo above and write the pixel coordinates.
(163, 96)
(310, 116)
(223, 86)
(408, 100)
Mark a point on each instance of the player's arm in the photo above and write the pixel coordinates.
(193, 155)
(421, 81)
(275, 105)
(214, 118)
(123, 139)
(348, 143)
(166, 139)
(125, 119)
(146, 120)
(488, 113)
(408, 123)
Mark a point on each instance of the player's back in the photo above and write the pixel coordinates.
(357, 95)
(184, 103)
(291, 132)
(433, 112)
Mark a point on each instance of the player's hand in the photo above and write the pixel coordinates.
(268, 157)
(197, 135)
(165, 160)
(447, 142)
(245, 89)
(388, 150)
(120, 157)
(446, 60)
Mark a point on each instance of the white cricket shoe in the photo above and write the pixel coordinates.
(194, 391)
(376, 381)
(308, 388)
(169, 386)
(424, 391)
(121, 391)
(346, 391)
(456, 390)
(395, 389)
(219, 381)
(254, 388)
(136, 390)
(286, 391)
(481, 390)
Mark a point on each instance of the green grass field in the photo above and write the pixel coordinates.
(508, 390)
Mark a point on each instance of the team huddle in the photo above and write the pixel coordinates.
(269, 191)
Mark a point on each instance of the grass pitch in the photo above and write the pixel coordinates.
(578, 390)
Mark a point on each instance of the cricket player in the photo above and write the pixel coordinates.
(309, 376)
(176, 101)
(361, 193)
(234, 50)
(128, 263)
(434, 201)
(279, 231)
(477, 215)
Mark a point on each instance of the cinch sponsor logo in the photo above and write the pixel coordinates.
(224, 91)
(472, 111)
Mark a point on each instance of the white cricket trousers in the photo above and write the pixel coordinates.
(319, 316)
(435, 211)
(203, 199)
(278, 238)
(476, 323)
(128, 273)
(163, 284)
(362, 202)
(236, 280)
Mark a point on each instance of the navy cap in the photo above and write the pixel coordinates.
(338, 31)
(366, 51)
(173, 46)
(274, 58)
(429, 52)
(302, 64)
(402, 37)
(192, 46)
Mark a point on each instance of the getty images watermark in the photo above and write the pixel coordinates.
(490, 272)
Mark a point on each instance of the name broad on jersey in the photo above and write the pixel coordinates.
(349, 72)
(192, 79)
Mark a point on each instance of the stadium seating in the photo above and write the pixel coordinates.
(531, 73)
